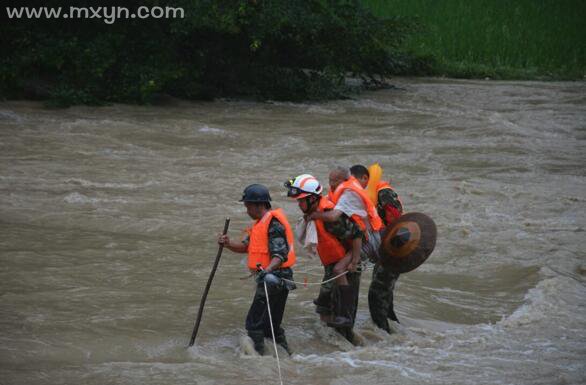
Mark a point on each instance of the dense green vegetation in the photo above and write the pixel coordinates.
(285, 49)
(521, 39)
(263, 49)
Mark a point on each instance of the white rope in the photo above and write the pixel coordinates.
(318, 271)
(297, 272)
(273, 333)
(363, 268)
(315, 283)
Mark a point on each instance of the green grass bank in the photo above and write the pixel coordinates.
(515, 39)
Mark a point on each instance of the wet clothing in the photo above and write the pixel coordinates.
(330, 297)
(344, 229)
(389, 205)
(257, 321)
(329, 248)
(369, 221)
(380, 296)
(380, 292)
(352, 205)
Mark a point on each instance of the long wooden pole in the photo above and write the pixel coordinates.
(207, 289)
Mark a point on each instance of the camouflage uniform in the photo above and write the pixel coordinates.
(380, 296)
(257, 321)
(380, 292)
(345, 230)
(387, 197)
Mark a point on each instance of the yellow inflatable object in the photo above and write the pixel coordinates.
(376, 173)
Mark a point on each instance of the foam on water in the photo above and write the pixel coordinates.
(212, 130)
(110, 185)
(77, 198)
(10, 116)
(109, 222)
(553, 298)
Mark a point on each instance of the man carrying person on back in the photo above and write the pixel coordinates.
(338, 245)
(350, 199)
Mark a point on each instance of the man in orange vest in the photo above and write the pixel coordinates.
(380, 292)
(271, 255)
(351, 200)
(338, 247)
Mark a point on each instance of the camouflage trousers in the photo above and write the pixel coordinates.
(380, 296)
(257, 320)
(329, 295)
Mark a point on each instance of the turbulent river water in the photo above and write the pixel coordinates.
(109, 216)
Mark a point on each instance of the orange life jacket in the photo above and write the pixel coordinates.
(389, 212)
(331, 195)
(329, 248)
(352, 184)
(258, 247)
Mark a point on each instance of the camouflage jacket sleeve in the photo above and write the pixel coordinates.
(278, 246)
(344, 229)
(389, 206)
(388, 196)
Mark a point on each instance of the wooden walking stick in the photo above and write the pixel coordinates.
(207, 289)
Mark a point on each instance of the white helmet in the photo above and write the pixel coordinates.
(303, 186)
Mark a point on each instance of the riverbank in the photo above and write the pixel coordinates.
(288, 51)
(524, 40)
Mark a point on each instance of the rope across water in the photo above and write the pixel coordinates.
(361, 268)
(315, 283)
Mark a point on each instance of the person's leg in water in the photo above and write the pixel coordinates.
(380, 296)
(345, 307)
(277, 302)
(354, 284)
(323, 303)
(255, 319)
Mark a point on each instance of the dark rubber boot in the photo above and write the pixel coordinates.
(281, 340)
(344, 309)
(258, 337)
(391, 314)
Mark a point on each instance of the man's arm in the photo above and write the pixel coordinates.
(356, 249)
(349, 204)
(326, 216)
(278, 246)
(345, 229)
(275, 263)
(237, 247)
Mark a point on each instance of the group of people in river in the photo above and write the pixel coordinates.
(344, 226)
